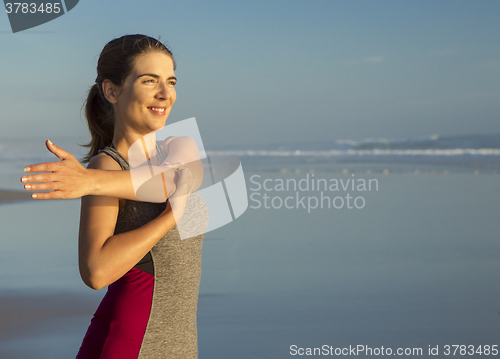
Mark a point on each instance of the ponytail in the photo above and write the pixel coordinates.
(99, 114)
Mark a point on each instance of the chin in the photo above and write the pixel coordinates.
(159, 126)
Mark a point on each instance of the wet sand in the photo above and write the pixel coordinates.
(14, 196)
(54, 323)
(33, 318)
(21, 312)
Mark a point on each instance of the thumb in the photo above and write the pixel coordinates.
(58, 151)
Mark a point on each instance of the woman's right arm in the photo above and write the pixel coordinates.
(103, 256)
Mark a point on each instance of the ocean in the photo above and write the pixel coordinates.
(394, 250)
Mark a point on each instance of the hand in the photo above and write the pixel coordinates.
(66, 178)
(177, 201)
(185, 180)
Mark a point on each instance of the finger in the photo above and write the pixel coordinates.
(58, 151)
(171, 167)
(181, 165)
(43, 167)
(183, 168)
(50, 186)
(191, 189)
(40, 177)
(48, 195)
(171, 164)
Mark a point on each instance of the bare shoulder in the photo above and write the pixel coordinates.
(167, 141)
(178, 140)
(184, 143)
(181, 148)
(103, 162)
(188, 141)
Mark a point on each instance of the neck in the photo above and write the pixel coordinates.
(135, 148)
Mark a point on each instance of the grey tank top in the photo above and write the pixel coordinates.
(128, 217)
(176, 264)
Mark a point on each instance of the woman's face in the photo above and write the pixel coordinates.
(145, 99)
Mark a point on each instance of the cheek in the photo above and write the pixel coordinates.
(173, 96)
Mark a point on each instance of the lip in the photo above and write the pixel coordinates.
(158, 110)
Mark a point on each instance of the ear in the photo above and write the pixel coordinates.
(110, 91)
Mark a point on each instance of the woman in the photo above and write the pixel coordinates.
(133, 247)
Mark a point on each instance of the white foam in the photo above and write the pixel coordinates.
(374, 152)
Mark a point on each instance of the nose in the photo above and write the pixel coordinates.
(164, 92)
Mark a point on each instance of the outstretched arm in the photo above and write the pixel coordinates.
(69, 179)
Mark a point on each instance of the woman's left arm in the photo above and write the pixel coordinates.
(67, 179)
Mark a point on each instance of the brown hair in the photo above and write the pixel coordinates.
(115, 63)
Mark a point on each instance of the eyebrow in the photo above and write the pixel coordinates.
(157, 76)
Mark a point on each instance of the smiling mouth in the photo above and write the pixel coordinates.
(158, 110)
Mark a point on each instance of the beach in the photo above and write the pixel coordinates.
(22, 311)
(369, 143)
(414, 266)
(37, 325)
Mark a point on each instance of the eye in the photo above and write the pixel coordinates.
(171, 83)
(150, 81)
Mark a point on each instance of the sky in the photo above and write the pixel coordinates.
(259, 72)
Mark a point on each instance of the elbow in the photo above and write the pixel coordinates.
(93, 274)
(95, 285)
(93, 280)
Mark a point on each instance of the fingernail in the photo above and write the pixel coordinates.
(24, 179)
(27, 186)
(34, 196)
(50, 142)
(27, 169)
